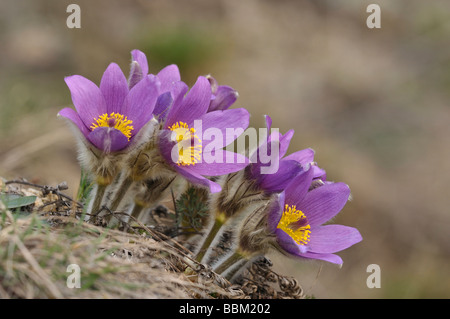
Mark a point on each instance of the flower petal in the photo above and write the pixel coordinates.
(214, 84)
(263, 153)
(192, 106)
(323, 203)
(178, 91)
(86, 97)
(268, 123)
(333, 238)
(284, 141)
(198, 179)
(227, 119)
(335, 259)
(224, 97)
(135, 74)
(193, 172)
(168, 76)
(305, 156)
(114, 87)
(298, 189)
(219, 163)
(277, 181)
(162, 106)
(288, 244)
(108, 139)
(319, 172)
(140, 102)
(141, 59)
(70, 114)
(222, 125)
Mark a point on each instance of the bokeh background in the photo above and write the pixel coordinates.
(373, 103)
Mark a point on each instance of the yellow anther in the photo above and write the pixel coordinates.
(189, 144)
(294, 223)
(115, 120)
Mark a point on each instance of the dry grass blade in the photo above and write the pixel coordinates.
(46, 281)
(38, 243)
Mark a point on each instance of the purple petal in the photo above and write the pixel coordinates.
(168, 76)
(162, 106)
(284, 141)
(264, 152)
(319, 172)
(214, 84)
(288, 244)
(169, 148)
(219, 163)
(198, 179)
(86, 97)
(298, 189)
(305, 156)
(114, 87)
(178, 92)
(192, 106)
(70, 114)
(335, 259)
(140, 102)
(323, 203)
(225, 96)
(223, 122)
(278, 181)
(135, 75)
(108, 139)
(215, 163)
(166, 146)
(333, 238)
(141, 59)
(268, 123)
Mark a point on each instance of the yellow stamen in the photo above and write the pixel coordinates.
(189, 145)
(115, 120)
(294, 223)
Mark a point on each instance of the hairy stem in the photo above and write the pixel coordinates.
(120, 193)
(97, 197)
(218, 223)
(234, 259)
(137, 209)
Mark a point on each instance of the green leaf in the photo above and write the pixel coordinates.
(192, 208)
(85, 187)
(15, 201)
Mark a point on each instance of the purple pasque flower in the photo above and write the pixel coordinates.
(297, 221)
(109, 116)
(271, 169)
(222, 97)
(187, 127)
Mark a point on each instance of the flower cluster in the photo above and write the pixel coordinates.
(147, 137)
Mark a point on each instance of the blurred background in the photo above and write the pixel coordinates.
(373, 104)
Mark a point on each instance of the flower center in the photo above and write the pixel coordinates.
(294, 223)
(189, 145)
(115, 120)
